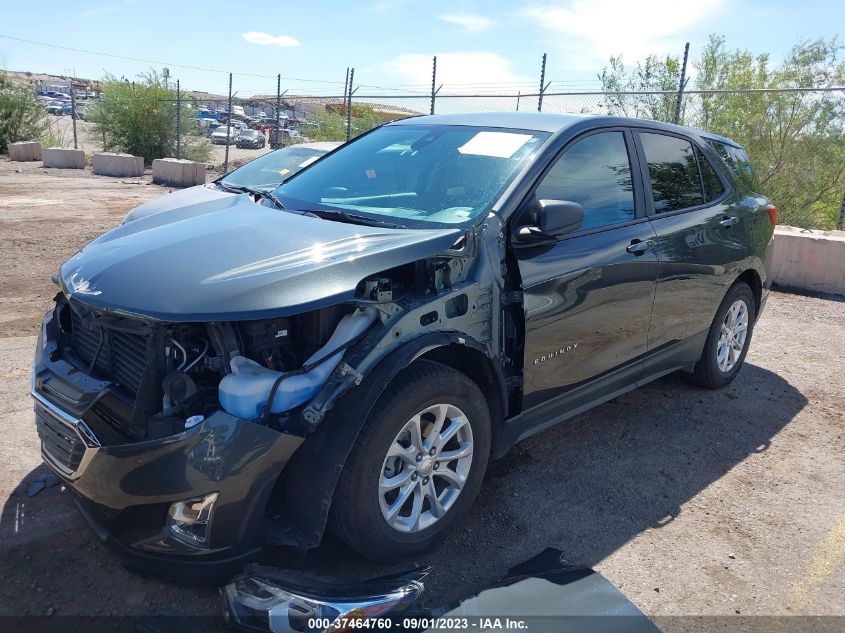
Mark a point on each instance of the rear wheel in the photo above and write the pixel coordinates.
(417, 464)
(728, 339)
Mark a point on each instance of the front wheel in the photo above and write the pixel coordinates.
(728, 339)
(417, 464)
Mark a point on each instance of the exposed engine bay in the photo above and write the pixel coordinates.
(166, 377)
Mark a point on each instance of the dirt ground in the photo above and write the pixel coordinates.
(691, 502)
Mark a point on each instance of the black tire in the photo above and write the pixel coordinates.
(706, 372)
(356, 515)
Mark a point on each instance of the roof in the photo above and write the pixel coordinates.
(549, 122)
(540, 121)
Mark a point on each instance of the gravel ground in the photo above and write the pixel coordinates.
(692, 502)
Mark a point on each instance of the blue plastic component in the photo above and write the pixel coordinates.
(244, 392)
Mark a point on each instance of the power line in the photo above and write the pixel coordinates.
(158, 62)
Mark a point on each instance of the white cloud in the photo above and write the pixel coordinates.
(593, 30)
(469, 21)
(455, 68)
(265, 39)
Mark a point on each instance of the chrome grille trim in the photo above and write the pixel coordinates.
(69, 468)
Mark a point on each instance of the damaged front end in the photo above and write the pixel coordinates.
(176, 430)
(172, 435)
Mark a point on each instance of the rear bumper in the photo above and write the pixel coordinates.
(125, 491)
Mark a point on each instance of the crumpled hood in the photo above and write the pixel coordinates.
(180, 198)
(232, 259)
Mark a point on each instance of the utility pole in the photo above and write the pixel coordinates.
(681, 84)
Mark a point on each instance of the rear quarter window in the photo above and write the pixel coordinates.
(738, 162)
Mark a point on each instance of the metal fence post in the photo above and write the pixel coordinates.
(349, 106)
(178, 121)
(542, 83)
(518, 96)
(345, 90)
(276, 134)
(841, 219)
(73, 112)
(681, 85)
(433, 80)
(228, 127)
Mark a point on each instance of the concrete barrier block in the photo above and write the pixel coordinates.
(178, 172)
(63, 158)
(809, 260)
(121, 165)
(25, 151)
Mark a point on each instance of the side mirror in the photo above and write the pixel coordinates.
(554, 218)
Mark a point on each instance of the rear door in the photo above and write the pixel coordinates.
(700, 243)
(587, 297)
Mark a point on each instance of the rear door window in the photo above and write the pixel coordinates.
(673, 171)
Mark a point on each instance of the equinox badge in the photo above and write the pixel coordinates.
(555, 353)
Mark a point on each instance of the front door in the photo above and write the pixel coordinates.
(587, 298)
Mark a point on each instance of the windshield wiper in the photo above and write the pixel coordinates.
(350, 218)
(260, 193)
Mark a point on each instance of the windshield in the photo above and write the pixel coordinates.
(434, 174)
(267, 171)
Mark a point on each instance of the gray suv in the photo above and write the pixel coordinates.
(353, 347)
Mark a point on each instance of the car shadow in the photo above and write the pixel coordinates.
(590, 485)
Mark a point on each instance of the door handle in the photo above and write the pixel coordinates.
(728, 222)
(638, 247)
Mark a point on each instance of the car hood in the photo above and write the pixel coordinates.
(181, 198)
(232, 259)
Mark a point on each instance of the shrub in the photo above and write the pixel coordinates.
(22, 117)
(139, 118)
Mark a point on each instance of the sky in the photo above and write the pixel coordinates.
(480, 44)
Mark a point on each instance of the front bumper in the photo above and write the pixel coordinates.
(126, 490)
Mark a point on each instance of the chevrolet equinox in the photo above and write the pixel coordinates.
(351, 348)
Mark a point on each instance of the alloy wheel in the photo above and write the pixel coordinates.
(425, 468)
(732, 337)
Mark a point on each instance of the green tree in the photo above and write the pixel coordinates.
(332, 123)
(140, 118)
(22, 117)
(655, 75)
(796, 139)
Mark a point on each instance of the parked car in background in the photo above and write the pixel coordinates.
(58, 108)
(250, 139)
(265, 173)
(354, 347)
(224, 135)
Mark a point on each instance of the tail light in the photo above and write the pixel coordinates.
(773, 214)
